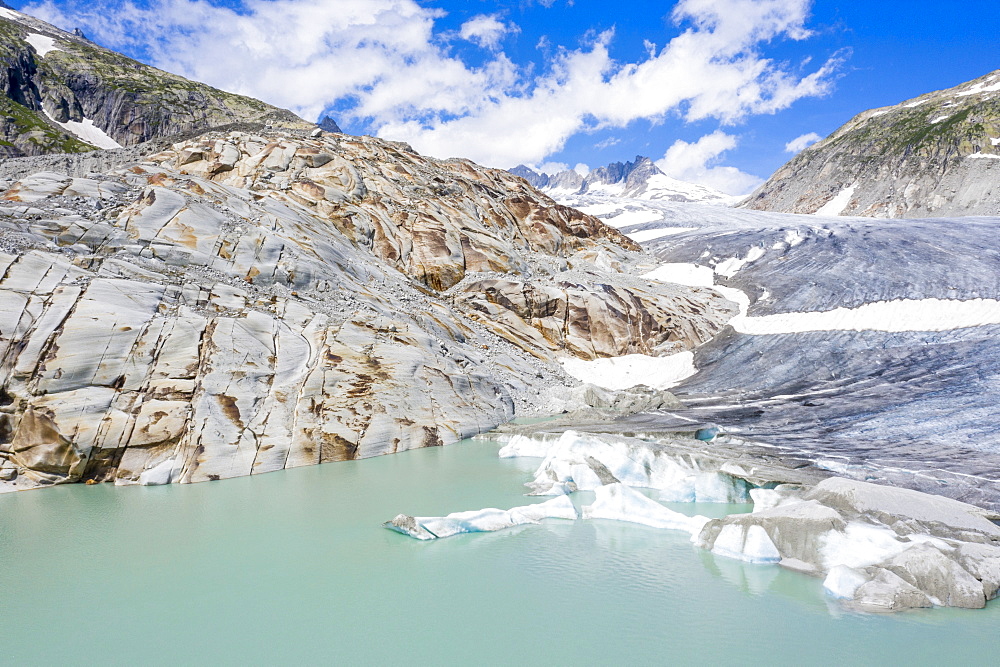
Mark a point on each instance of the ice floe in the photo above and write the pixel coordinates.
(481, 521)
(585, 462)
(748, 543)
(621, 503)
(843, 582)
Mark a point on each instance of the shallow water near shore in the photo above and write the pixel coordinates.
(295, 566)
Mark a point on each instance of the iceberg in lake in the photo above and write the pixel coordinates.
(621, 503)
(481, 521)
(584, 462)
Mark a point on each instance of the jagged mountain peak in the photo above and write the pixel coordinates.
(638, 179)
(933, 155)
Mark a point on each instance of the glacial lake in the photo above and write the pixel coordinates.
(294, 566)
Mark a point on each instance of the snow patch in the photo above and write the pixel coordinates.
(837, 205)
(88, 132)
(691, 275)
(987, 156)
(731, 266)
(632, 370)
(11, 14)
(980, 88)
(941, 118)
(995, 141)
(43, 45)
(892, 316)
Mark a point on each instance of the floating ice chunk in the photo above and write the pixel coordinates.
(520, 445)
(748, 543)
(621, 503)
(587, 462)
(843, 582)
(860, 545)
(683, 491)
(162, 473)
(42, 44)
(481, 521)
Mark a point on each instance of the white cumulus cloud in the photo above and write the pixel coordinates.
(388, 68)
(799, 144)
(697, 162)
(486, 30)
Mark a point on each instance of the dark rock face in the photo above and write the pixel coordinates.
(935, 155)
(77, 81)
(533, 177)
(330, 125)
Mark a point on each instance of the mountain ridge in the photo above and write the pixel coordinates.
(61, 93)
(638, 179)
(937, 154)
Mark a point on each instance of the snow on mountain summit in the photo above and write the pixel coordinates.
(639, 179)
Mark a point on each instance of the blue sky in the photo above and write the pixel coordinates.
(712, 89)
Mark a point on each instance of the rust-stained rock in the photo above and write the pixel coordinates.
(244, 303)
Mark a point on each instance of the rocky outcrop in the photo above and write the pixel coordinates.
(245, 302)
(935, 155)
(63, 93)
(590, 319)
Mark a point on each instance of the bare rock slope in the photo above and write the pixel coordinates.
(937, 155)
(250, 301)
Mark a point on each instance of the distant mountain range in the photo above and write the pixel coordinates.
(935, 155)
(639, 179)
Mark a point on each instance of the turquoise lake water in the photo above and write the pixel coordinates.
(294, 566)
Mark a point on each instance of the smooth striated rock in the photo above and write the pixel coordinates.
(242, 303)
